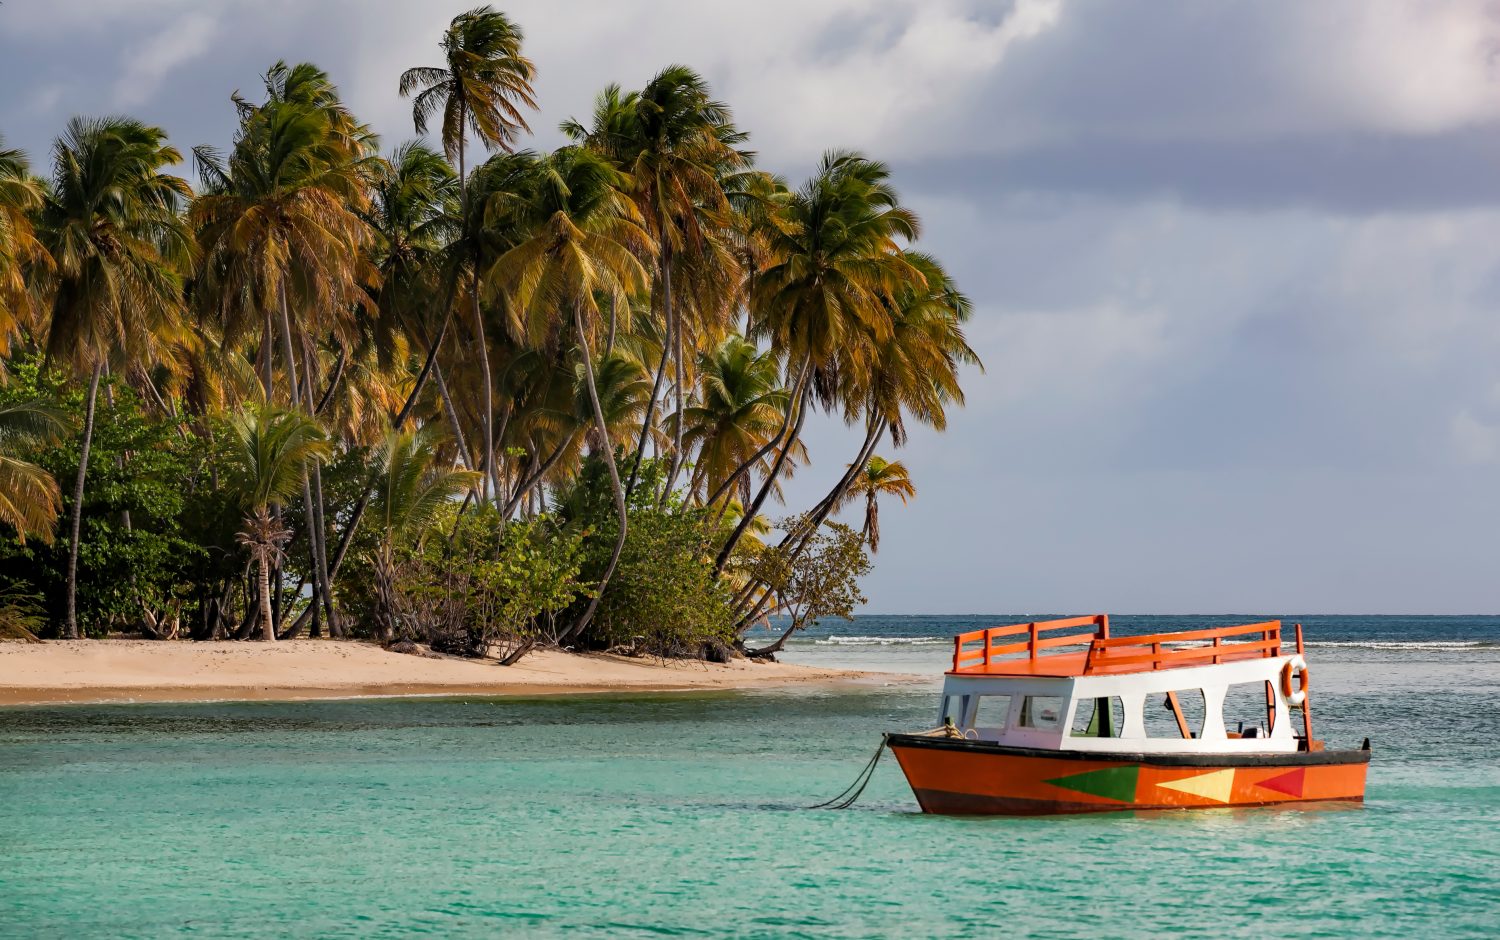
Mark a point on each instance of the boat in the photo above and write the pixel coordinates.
(1060, 716)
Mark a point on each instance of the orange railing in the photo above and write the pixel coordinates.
(1036, 636)
(978, 650)
(1152, 651)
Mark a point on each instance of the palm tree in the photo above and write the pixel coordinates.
(912, 372)
(111, 224)
(272, 447)
(675, 143)
(480, 90)
(29, 498)
(740, 405)
(20, 198)
(879, 477)
(836, 262)
(281, 228)
(410, 497)
(414, 214)
(585, 245)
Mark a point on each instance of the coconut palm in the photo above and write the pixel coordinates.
(415, 214)
(111, 225)
(913, 372)
(29, 498)
(878, 477)
(480, 89)
(20, 198)
(740, 405)
(272, 447)
(585, 245)
(675, 142)
(413, 490)
(835, 263)
(282, 230)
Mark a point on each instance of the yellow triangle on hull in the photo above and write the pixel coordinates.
(1215, 786)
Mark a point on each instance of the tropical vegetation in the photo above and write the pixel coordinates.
(486, 399)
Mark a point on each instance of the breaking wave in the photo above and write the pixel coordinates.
(1435, 645)
(1393, 645)
(884, 641)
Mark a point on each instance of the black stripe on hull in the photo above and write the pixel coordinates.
(1287, 759)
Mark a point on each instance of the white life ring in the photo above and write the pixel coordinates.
(1295, 667)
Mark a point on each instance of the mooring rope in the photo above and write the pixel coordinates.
(852, 792)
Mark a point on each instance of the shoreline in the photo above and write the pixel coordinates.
(119, 672)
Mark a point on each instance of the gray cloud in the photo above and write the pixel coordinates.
(1235, 265)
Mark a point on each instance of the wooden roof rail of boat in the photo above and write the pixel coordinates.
(1031, 641)
(1039, 648)
(1152, 652)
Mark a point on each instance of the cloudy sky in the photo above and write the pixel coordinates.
(1236, 266)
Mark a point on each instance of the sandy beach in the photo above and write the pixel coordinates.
(100, 671)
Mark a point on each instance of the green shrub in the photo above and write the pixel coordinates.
(496, 590)
(134, 561)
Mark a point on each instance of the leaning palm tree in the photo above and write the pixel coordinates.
(480, 89)
(412, 492)
(272, 447)
(20, 198)
(112, 226)
(29, 498)
(879, 477)
(911, 373)
(585, 245)
(836, 263)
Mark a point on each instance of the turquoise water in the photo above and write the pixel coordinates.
(682, 815)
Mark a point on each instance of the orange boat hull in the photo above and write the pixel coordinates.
(959, 777)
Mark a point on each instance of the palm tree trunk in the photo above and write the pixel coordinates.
(316, 525)
(766, 448)
(800, 404)
(458, 429)
(614, 481)
(70, 625)
(263, 583)
(661, 372)
(609, 341)
(300, 393)
(484, 349)
(826, 506)
(524, 487)
(676, 344)
(364, 498)
(265, 356)
(333, 380)
(813, 521)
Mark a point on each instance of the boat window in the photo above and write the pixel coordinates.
(1042, 711)
(993, 712)
(1174, 714)
(1248, 712)
(1098, 718)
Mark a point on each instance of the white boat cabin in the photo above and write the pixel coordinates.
(1220, 690)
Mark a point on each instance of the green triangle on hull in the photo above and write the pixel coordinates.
(1112, 783)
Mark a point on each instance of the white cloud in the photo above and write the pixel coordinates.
(802, 76)
(147, 64)
(1404, 66)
